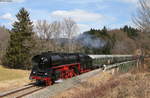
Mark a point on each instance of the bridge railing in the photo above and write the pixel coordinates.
(123, 66)
(108, 56)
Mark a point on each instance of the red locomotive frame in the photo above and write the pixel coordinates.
(66, 70)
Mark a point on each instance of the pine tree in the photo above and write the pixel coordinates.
(104, 30)
(21, 42)
(131, 32)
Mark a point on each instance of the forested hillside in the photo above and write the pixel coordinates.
(125, 40)
(27, 38)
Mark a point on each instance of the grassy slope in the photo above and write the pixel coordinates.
(10, 74)
(12, 78)
(130, 86)
(107, 86)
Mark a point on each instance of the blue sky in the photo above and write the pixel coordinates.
(87, 13)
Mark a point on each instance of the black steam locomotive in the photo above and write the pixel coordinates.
(49, 67)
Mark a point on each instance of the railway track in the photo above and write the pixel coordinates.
(21, 92)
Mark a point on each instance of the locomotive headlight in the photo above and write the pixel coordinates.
(46, 74)
(34, 72)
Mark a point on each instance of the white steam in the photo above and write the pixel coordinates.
(90, 41)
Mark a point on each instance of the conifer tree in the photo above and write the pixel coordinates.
(104, 30)
(21, 42)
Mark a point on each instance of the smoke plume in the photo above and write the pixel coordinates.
(90, 41)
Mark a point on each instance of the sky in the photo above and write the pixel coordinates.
(87, 13)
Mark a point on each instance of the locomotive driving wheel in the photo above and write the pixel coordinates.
(48, 82)
(68, 74)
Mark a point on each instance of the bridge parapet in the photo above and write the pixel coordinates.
(122, 67)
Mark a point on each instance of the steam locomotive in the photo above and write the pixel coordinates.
(49, 67)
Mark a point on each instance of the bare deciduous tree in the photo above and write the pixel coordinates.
(4, 38)
(70, 28)
(51, 34)
(43, 29)
(142, 18)
(56, 34)
(142, 21)
(56, 29)
(44, 34)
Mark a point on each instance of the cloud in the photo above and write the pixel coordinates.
(82, 1)
(98, 1)
(83, 27)
(129, 1)
(10, 1)
(84, 19)
(18, 0)
(7, 16)
(78, 15)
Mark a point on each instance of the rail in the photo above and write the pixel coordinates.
(20, 92)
